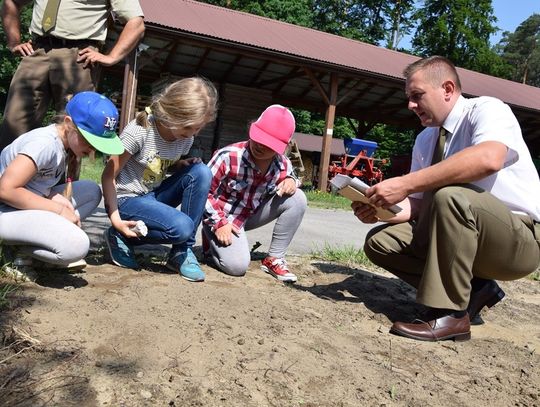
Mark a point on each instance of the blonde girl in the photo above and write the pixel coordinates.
(137, 185)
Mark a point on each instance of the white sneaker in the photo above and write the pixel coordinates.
(71, 267)
(76, 265)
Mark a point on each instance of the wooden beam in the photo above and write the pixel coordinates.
(319, 76)
(129, 92)
(171, 55)
(343, 96)
(317, 84)
(259, 72)
(293, 73)
(329, 131)
(202, 59)
(225, 76)
(153, 57)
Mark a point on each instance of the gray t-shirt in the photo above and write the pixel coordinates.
(44, 147)
(84, 19)
(151, 156)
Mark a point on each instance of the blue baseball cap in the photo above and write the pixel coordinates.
(96, 118)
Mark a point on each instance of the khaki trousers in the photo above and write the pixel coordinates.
(470, 233)
(49, 76)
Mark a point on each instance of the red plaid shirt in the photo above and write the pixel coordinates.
(238, 187)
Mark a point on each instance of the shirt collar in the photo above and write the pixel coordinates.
(455, 114)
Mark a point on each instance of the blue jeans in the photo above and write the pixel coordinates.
(158, 209)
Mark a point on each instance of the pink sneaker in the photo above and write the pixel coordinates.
(278, 268)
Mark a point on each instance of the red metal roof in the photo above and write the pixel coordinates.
(264, 33)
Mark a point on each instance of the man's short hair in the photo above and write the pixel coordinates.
(438, 69)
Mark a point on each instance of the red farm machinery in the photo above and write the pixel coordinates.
(358, 161)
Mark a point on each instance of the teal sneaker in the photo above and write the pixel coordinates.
(187, 265)
(121, 253)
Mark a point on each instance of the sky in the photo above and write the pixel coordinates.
(511, 13)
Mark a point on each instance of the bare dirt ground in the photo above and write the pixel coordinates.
(116, 337)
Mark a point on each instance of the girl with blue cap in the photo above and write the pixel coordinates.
(34, 215)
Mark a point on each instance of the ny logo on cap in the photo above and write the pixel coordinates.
(110, 123)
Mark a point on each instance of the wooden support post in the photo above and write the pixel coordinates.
(328, 133)
(129, 91)
(218, 127)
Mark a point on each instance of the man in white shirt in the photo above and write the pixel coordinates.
(471, 205)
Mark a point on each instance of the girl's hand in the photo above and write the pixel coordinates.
(124, 227)
(287, 187)
(70, 214)
(188, 161)
(224, 234)
(62, 200)
(68, 211)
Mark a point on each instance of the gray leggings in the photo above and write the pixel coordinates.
(47, 236)
(288, 210)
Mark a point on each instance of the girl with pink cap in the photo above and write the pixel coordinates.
(253, 184)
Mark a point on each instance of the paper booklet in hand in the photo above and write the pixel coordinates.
(354, 189)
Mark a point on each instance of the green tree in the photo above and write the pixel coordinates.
(348, 18)
(313, 123)
(521, 50)
(401, 22)
(372, 21)
(460, 31)
(297, 12)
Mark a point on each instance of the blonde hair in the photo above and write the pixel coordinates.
(189, 102)
(438, 70)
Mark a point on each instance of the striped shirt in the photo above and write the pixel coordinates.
(151, 157)
(238, 187)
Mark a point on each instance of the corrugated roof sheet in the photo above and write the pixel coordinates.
(259, 32)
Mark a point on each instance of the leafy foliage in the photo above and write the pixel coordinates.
(290, 11)
(521, 50)
(460, 31)
(9, 61)
(372, 21)
(391, 140)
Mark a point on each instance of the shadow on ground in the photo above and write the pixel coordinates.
(380, 294)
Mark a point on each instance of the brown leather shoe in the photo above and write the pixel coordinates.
(447, 327)
(489, 295)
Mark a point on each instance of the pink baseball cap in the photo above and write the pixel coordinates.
(274, 128)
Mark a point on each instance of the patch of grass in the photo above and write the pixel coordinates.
(92, 168)
(535, 276)
(5, 288)
(325, 200)
(348, 255)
